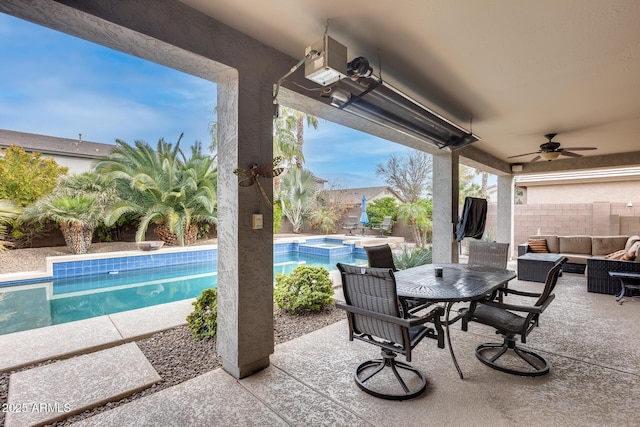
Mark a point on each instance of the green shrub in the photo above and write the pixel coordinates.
(408, 258)
(305, 289)
(203, 321)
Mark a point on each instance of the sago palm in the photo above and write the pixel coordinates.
(162, 187)
(76, 215)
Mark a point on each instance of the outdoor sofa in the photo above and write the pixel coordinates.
(591, 253)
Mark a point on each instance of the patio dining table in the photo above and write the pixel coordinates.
(459, 283)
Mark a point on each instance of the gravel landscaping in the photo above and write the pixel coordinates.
(174, 353)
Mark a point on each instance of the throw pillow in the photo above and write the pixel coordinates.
(538, 246)
(631, 241)
(621, 254)
(631, 253)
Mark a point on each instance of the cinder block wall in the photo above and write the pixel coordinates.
(594, 219)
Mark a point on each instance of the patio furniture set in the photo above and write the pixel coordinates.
(353, 224)
(378, 313)
(611, 263)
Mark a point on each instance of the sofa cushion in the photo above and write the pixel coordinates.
(575, 244)
(602, 245)
(552, 242)
(538, 246)
(630, 241)
(576, 258)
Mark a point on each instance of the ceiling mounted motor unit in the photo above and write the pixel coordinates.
(330, 64)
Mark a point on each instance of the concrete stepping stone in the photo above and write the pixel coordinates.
(48, 393)
(36, 345)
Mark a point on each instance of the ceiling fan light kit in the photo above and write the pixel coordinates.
(551, 150)
(551, 155)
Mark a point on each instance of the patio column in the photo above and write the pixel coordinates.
(445, 206)
(245, 255)
(505, 210)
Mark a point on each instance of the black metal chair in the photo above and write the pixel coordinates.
(490, 254)
(381, 256)
(504, 318)
(374, 317)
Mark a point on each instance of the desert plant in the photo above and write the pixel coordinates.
(299, 190)
(306, 289)
(203, 320)
(324, 219)
(162, 187)
(77, 206)
(8, 211)
(412, 257)
(77, 217)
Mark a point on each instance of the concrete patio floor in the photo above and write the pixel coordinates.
(590, 340)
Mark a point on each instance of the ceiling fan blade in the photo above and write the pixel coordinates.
(520, 155)
(534, 159)
(570, 154)
(579, 148)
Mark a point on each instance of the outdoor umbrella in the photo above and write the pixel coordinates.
(364, 218)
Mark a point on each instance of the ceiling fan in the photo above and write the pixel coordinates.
(551, 150)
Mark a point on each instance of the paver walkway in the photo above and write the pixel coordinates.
(50, 392)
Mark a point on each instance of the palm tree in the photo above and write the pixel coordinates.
(8, 211)
(298, 196)
(77, 217)
(290, 133)
(77, 206)
(324, 218)
(162, 187)
(416, 216)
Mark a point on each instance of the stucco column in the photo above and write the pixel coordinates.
(505, 210)
(245, 256)
(445, 206)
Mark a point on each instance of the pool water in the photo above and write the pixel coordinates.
(66, 300)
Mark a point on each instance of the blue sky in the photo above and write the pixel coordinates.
(55, 84)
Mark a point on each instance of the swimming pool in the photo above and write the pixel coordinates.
(67, 299)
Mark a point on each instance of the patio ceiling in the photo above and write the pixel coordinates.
(520, 69)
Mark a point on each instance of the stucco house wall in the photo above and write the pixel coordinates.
(76, 154)
(621, 191)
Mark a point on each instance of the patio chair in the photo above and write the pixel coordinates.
(371, 303)
(504, 318)
(384, 227)
(351, 224)
(381, 256)
(490, 254)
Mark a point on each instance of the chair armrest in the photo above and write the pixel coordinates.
(507, 291)
(513, 307)
(407, 323)
(523, 308)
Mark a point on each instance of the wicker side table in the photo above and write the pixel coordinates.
(534, 267)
